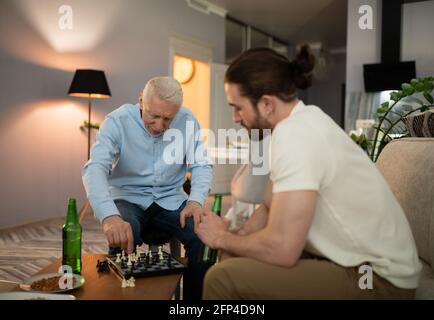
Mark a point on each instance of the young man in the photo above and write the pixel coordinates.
(327, 212)
(132, 186)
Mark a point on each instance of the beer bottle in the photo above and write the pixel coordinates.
(71, 234)
(208, 255)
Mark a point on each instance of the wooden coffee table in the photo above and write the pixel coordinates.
(107, 286)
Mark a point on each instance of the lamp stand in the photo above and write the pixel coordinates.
(86, 206)
(88, 126)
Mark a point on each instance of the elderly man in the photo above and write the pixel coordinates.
(132, 184)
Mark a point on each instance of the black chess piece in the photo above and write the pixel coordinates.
(102, 266)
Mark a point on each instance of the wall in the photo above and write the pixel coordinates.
(326, 93)
(363, 46)
(43, 149)
(417, 44)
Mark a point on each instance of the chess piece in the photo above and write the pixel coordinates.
(129, 263)
(118, 258)
(132, 280)
(160, 253)
(123, 255)
(124, 283)
(137, 252)
(150, 255)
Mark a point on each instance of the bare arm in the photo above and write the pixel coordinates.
(256, 222)
(259, 217)
(281, 242)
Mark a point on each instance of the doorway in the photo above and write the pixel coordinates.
(194, 76)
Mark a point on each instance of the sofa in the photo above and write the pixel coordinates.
(408, 166)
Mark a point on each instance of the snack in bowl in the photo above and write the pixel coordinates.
(49, 284)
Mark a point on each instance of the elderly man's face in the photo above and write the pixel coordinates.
(157, 114)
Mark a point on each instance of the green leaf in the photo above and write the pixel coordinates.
(407, 89)
(414, 82)
(428, 86)
(396, 95)
(382, 110)
(419, 87)
(428, 97)
(406, 86)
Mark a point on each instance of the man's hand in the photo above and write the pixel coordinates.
(211, 229)
(192, 209)
(118, 233)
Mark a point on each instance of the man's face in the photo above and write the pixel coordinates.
(243, 112)
(157, 115)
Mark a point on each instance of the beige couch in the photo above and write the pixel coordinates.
(408, 166)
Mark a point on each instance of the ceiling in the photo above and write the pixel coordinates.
(294, 21)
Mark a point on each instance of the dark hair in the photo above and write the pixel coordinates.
(262, 71)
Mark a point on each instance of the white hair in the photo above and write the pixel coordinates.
(166, 88)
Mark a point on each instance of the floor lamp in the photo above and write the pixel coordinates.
(90, 84)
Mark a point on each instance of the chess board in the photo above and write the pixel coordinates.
(146, 267)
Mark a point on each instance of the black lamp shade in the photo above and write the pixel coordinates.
(89, 83)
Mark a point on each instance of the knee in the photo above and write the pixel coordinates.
(218, 284)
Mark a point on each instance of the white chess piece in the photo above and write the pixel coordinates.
(150, 254)
(129, 260)
(124, 283)
(118, 258)
(137, 252)
(131, 283)
(160, 252)
(123, 255)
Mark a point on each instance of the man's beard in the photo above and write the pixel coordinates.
(256, 130)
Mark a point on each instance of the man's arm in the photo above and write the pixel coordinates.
(200, 167)
(281, 242)
(94, 174)
(259, 217)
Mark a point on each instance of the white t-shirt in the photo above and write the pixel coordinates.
(357, 219)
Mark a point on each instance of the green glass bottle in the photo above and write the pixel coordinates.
(71, 234)
(208, 255)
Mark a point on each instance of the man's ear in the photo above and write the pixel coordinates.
(266, 103)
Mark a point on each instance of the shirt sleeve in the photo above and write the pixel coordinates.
(300, 159)
(96, 171)
(199, 164)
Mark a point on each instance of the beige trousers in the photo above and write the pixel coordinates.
(245, 278)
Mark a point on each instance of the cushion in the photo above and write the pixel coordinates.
(420, 124)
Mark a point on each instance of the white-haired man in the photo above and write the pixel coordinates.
(132, 185)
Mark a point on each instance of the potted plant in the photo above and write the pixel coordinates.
(413, 97)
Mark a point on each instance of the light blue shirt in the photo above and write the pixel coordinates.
(127, 162)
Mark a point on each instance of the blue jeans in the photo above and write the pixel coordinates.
(167, 221)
